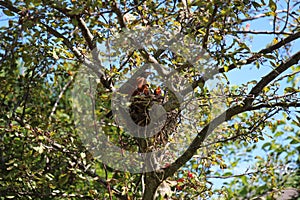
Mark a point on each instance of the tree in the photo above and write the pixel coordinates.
(44, 45)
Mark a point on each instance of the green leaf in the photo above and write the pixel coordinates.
(244, 179)
(8, 13)
(290, 90)
(75, 22)
(262, 189)
(272, 5)
(266, 145)
(243, 192)
(256, 5)
(297, 123)
(259, 158)
(279, 133)
(227, 174)
(295, 140)
(270, 56)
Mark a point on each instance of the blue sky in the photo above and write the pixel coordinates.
(248, 73)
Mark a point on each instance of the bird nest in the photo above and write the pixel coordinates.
(141, 111)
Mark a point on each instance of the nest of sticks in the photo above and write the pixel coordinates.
(140, 111)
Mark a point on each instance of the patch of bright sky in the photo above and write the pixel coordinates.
(249, 73)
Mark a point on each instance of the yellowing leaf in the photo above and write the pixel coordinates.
(176, 23)
(226, 68)
(266, 89)
(236, 126)
(259, 158)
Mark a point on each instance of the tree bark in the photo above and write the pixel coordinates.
(151, 184)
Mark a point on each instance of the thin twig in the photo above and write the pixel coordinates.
(238, 175)
(264, 32)
(211, 20)
(59, 98)
(119, 14)
(108, 184)
(260, 16)
(287, 16)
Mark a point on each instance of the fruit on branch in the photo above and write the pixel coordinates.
(157, 92)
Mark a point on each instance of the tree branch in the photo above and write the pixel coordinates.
(227, 115)
(250, 129)
(66, 42)
(86, 33)
(89, 172)
(239, 175)
(271, 76)
(10, 7)
(260, 16)
(280, 44)
(81, 24)
(95, 67)
(287, 16)
(251, 59)
(264, 32)
(211, 20)
(279, 104)
(119, 14)
(59, 97)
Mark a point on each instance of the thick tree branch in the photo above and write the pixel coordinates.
(119, 14)
(89, 38)
(251, 59)
(280, 44)
(66, 42)
(271, 76)
(10, 7)
(227, 115)
(87, 35)
(211, 20)
(94, 66)
(195, 145)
